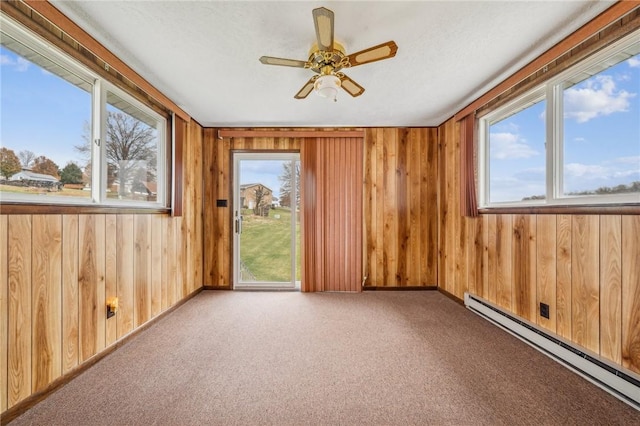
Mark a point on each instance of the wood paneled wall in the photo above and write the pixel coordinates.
(401, 207)
(218, 243)
(56, 272)
(400, 204)
(585, 267)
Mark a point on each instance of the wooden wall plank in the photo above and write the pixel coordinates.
(209, 177)
(631, 293)
(125, 268)
(563, 276)
(585, 289)
(142, 269)
(428, 205)
(19, 309)
(504, 276)
(157, 264)
(546, 269)
(111, 274)
(4, 310)
(46, 308)
(169, 270)
(611, 288)
(524, 266)
(70, 293)
(492, 258)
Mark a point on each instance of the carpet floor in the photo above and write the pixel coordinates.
(287, 358)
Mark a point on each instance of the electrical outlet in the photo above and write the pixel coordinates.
(544, 310)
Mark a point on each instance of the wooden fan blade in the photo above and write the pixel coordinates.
(269, 60)
(323, 21)
(306, 89)
(350, 86)
(375, 53)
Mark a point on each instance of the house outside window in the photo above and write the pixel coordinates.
(62, 124)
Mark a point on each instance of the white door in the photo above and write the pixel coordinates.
(266, 221)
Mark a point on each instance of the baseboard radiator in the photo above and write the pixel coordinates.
(621, 384)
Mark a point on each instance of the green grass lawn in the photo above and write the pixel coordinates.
(265, 246)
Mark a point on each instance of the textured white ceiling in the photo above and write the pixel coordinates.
(204, 54)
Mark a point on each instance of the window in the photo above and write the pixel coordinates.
(69, 136)
(573, 140)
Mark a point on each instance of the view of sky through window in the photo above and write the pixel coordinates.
(601, 134)
(40, 111)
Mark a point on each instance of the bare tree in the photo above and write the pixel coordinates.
(26, 158)
(130, 148)
(260, 194)
(285, 183)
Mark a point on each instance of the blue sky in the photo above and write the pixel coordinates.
(265, 172)
(601, 138)
(40, 111)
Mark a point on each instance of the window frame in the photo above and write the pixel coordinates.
(99, 88)
(552, 91)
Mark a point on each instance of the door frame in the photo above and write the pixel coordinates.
(236, 157)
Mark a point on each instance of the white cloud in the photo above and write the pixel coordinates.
(634, 62)
(579, 139)
(597, 97)
(510, 145)
(587, 171)
(19, 64)
(633, 159)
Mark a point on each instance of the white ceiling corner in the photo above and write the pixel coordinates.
(204, 54)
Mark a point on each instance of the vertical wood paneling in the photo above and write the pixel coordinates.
(563, 277)
(631, 293)
(169, 272)
(70, 293)
(46, 291)
(524, 266)
(157, 264)
(546, 269)
(142, 269)
(56, 272)
(111, 274)
(504, 277)
(611, 288)
(125, 267)
(585, 289)
(4, 311)
(585, 267)
(492, 258)
(19, 309)
(91, 284)
(400, 191)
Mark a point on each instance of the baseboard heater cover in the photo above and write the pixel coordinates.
(624, 386)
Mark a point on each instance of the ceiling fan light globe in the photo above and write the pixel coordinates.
(327, 86)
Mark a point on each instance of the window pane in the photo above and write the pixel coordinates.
(517, 155)
(132, 152)
(602, 128)
(46, 111)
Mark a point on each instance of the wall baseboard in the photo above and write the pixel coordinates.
(33, 399)
(619, 382)
(405, 288)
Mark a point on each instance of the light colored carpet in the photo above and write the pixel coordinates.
(334, 359)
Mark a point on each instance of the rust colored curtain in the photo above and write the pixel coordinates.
(332, 214)
(468, 199)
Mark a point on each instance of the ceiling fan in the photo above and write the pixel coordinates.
(327, 57)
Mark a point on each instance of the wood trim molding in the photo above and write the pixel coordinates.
(406, 288)
(29, 402)
(26, 208)
(451, 296)
(276, 133)
(615, 12)
(53, 15)
(615, 209)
